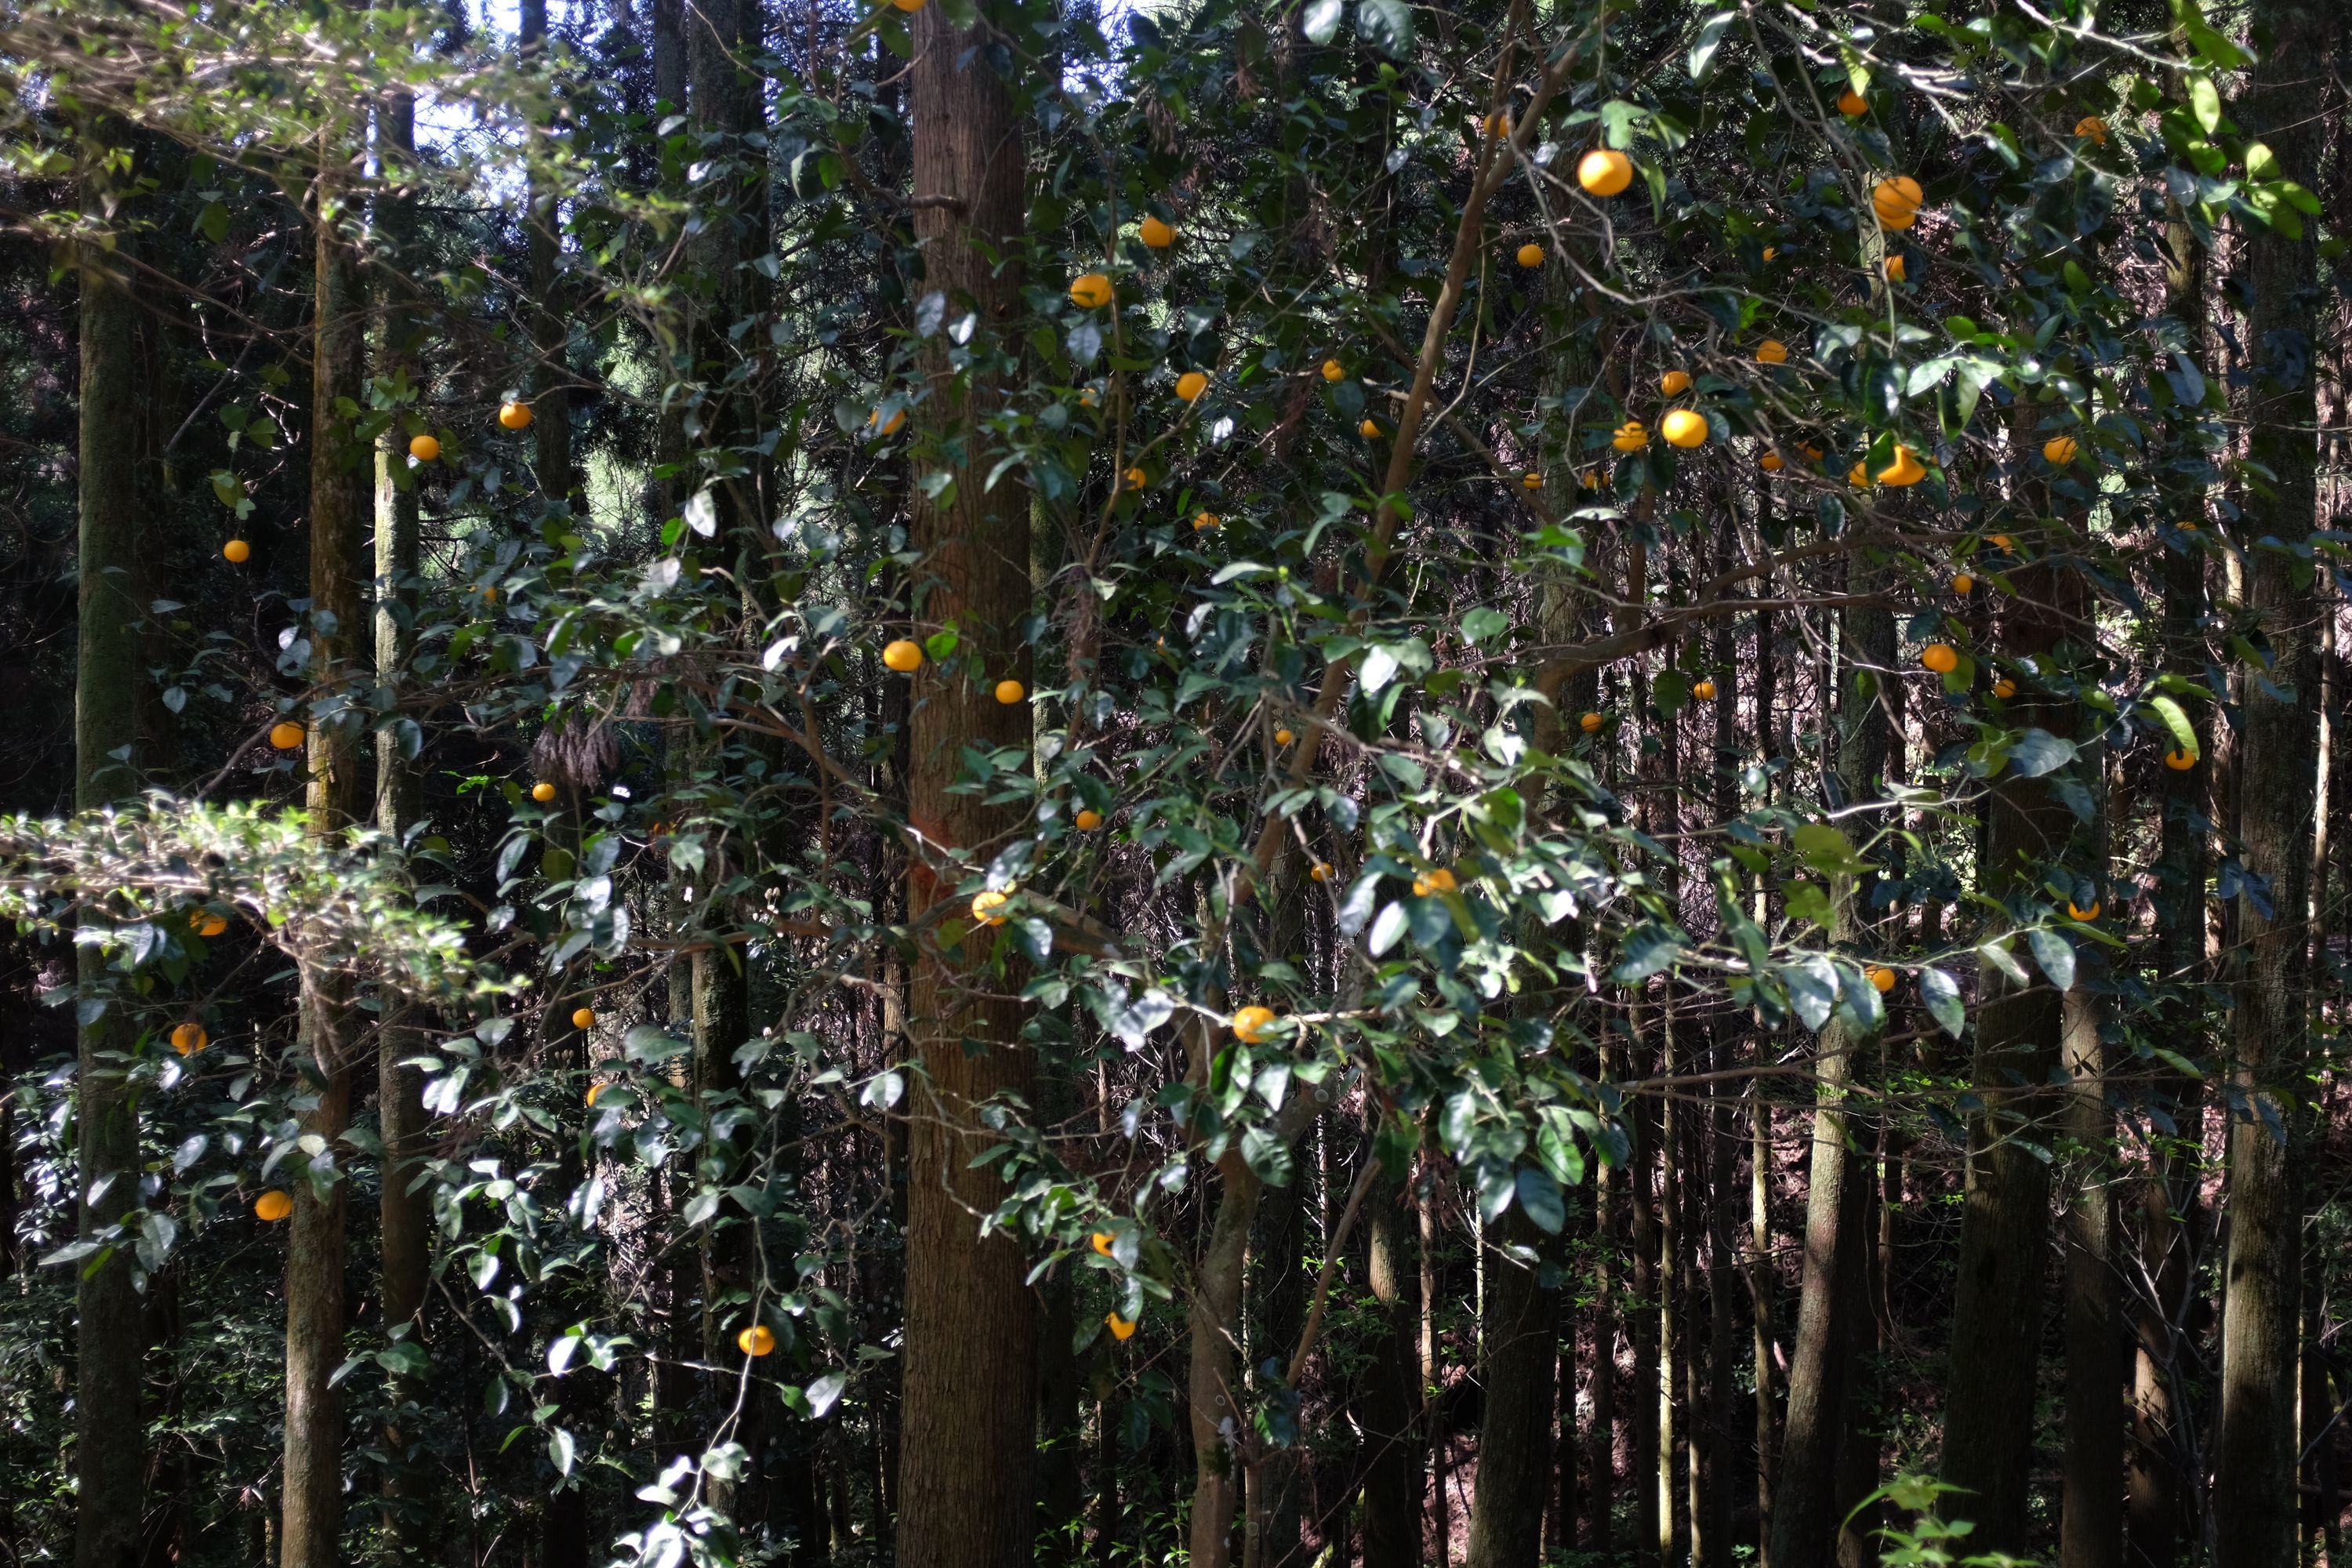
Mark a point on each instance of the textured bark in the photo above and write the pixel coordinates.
(1391, 1388)
(1601, 1441)
(110, 1431)
(2254, 1497)
(310, 1525)
(966, 1447)
(1515, 1380)
(1281, 1280)
(1998, 1305)
(550, 394)
(1216, 1311)
(2091, 1514)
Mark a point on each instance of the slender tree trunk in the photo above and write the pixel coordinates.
(2254, 1497)
(966, 1449)
(1513, 1440)
(2090, 1516)
(551, 396)
(1601, 1441)
(1998, 1304)
(1392, 1473)
(109, 1428)
(1644, 1395)
(310, 1527)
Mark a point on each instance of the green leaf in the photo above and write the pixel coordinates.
(1482, 623)
(1942, 994)
(2175, 721)
(2205, 103)
(1322, 20)
(1710, 38)
(2054, 954)
(1539, 1195)
(1825, 847)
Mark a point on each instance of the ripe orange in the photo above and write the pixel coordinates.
(1332, 369)
(189, 1038)
(1369, 428)
(2060, 450)
(1941, 657)
(1154, 232)
(897, 418)
(984, 907)
(286, 735)
(1283, 737)
(1771, 351)
(1250, 1023)
(1770, 462)
(2076, 913)
(206, 922)
(583, 1018)
(1703, 691)
(1895, 269)
(593, 1091)
(1009, 691)
(1205, 520)
(1964, 583)
(1101, 1241)
(1191, 385)
(1674, 383)
(2179, 761)
(1135, 479)
(2092, 128)
(1684, 427)
(272, 1207)
(1883, 978)
(237, 551)
(1896, 201)
(1091, 289)
(542, 792)
(1631, 437)
(910, 7)
(1437, 880)
(1121, 1328)
(2002, 541)
(2004, 688)
(1088, 820)
(515, 415)
(904, 655)
(1906, 468)
(1531, 255)
(1604, 172)
(756, 1341)
(1321, 871)
(1591, 723)
(424, 448)
(1852, 104)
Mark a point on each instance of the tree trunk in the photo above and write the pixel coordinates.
(966, 1447)
(1997, 1310)
(1514, 1438)
(1601, 1441)
(550, 394)
(311, 1528)
(2090, 1516)
(109, 1429)
(2254, 1495)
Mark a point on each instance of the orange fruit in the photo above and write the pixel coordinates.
(1101, 1241)
(1283, 737)
(206, 922)
(2092, 128)
(1206, 520)
(1964, 583)
(1895, 269)
(904, 655)
(910, 7)
(2186, 527)
(1674, 383)
(593, 1091)
(1604, 172)
(2075, 912)
(2179, 761)
(1531, 481)
(2004, 688)
(1852, 104)
(1941, 657)
(237, 551)
(1895, 200)
(1684, 427)
(542, 792)
(2060, 450)
(583, 1018)
(1436, 880)
(1770, 462)
(1121, 1328)
(286, 735)
(1088, 820)
(515, 415)
(1591, 723)
(1369, 428)
(1883, 978)
(897, 417)
(1009, 691)
(189, 1038)
(2002, 541)
(1251, 1023)
(757, 1339)
(1703, 691)
(1135, 479)
(1858, 475)
(1906, 468)
(1154, 232)
(1771, 351)
(1631, 437)
(1531, 255)
(1320, 871)
(1332, 371)
(1191, 385)
(984, 907)
(424, 448)
(1091, 289)
(272, 1207)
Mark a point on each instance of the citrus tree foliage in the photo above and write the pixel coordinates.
(1354, 402)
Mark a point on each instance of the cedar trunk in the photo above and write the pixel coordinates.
(968, 1439)
(1514, 1440)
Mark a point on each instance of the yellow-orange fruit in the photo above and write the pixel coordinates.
(286, 735)
(1896, 201)
(904, 655)
(237, 551)
(542, 792)
(515, 415)
(1088, 820)
(1604, 172)
(756, 1341)
(1191, 385)
(1941, 657)
(1154, 232)
(1009, 691)
(272, 1207)
(583, 1018)
(189, 1038)
(1250, 1023)
(424, 448)
(1091, 289)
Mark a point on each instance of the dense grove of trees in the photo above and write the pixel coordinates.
(972, 781)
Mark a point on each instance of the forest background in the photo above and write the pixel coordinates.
(971, 782)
